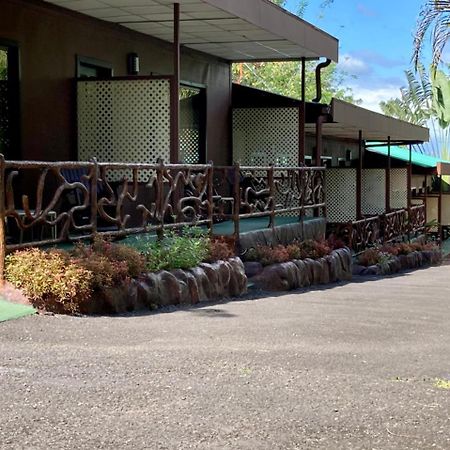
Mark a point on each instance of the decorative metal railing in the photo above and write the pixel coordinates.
(417, 218)
(43, 203)
(365, 233)
(395, 225)
(370, 231)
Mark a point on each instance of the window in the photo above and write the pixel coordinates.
(192, 125)
(9, 100)
(93, 68)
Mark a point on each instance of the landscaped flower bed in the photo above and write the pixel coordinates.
(395, 257)
(110, 278)
(284, 268)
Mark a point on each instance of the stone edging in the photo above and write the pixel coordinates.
(302, 273)
(206, 282)
(400, 263)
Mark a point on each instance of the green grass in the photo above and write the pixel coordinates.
(10, 311)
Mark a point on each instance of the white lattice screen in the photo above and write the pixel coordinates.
(124, 120)
(341, 195)
(399, 188)
(265, 136)
(373, 199)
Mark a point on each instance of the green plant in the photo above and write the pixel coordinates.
(51, 279)
(374, 256)
(177, 251)
(267, 255)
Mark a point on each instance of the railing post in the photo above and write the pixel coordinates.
(159, 200)
(270, 179)
(210, 181)
(94, 196)
(2, 220)
(237, 200)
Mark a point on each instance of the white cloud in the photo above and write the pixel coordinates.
(353, 65)
(371, 97)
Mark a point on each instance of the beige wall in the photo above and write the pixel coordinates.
(50, 38)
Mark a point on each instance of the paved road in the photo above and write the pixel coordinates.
(350, 367)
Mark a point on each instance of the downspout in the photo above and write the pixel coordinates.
(319, 68)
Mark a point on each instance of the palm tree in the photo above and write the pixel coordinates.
(434, 18)
(425, 102)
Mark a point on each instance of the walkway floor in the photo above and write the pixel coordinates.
(359, 366)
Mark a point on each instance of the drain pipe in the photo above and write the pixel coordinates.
(319, 68)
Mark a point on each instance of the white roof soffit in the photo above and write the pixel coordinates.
(235, 30)
(349, 119)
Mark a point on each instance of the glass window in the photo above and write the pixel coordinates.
(93, 68)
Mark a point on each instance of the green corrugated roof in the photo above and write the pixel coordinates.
(402, 153)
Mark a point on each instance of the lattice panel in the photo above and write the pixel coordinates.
(373, 199)
(124, 121)
(265, 136)
(4, 117)
(189, 129)
(341, 195)
(399, 188)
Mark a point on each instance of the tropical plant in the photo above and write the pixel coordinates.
(425, 101)
(434, 19)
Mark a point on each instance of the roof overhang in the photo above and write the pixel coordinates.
(349, 119)
(403, 154)
(235, 30)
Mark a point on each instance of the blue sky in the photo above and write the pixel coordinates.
(375, 41)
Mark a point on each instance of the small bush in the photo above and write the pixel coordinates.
(126, 260)
(220, 249)
(372, 257)
(314, 249)
(183, 251)
(51, 280)
(268, 255)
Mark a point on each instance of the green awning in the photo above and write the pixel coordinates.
(402, 154)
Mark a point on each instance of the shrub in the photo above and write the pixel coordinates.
(314, 249)
(52, 280)
(126, 260)
(267, 255)
(372, 257)
(177, 251)
(220, 249)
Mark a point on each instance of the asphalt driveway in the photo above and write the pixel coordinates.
(357, 366)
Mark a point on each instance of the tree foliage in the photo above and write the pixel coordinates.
(285, 77)
(434, 20)
(3, 65)
(425, 101)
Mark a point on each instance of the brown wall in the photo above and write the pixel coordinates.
(49, 39)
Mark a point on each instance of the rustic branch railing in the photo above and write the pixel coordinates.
(371, 231)
(417, 219)
(395, 225)
(43, 203)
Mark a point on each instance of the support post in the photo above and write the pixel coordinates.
(94, 196)
(2, 220)
(440, 209)
(359, 173)
(408, 188)
(175, 88)
(319, 140)
(388, 178)
(302, 118)
(271, 183)
(210, 197)
(237, 202)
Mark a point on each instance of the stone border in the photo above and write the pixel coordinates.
(414, 260)
(295, 274)
(206, 282)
